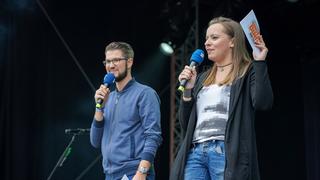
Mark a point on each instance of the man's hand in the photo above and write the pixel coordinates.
(102, 93)
(139, 176)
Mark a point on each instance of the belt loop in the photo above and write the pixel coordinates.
(193, 145)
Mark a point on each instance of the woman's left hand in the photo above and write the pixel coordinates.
(260, 56)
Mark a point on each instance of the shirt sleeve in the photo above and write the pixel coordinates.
(261, 90)
(96, 133)
(149, 111)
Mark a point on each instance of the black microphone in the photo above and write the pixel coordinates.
(107, 80)
(196, 59)
(78, 131)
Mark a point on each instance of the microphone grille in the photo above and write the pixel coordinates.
(197, 56)
(108, 78)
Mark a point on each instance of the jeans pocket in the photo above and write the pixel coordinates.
(219, 148)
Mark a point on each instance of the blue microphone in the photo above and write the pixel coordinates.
(107, 81)
(195, 60)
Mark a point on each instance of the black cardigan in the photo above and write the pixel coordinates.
(249, 93)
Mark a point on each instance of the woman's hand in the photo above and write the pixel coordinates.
(189, 74)
(260, 56)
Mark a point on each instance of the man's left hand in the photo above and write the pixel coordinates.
(139, 176)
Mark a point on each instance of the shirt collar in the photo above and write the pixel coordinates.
(127, 85)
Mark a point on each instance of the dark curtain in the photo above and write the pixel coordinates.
(22, 90)
(311, 90)
(310, 60)
(43, 92)
(40, 97)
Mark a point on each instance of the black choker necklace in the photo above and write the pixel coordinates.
(222, 67)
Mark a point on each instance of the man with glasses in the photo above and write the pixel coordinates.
(127, 127)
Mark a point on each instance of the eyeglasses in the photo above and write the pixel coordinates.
(114, 61)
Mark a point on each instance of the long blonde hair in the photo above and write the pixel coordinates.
(240, 56)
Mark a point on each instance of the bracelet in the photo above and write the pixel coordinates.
(100, 109)
(187, 93)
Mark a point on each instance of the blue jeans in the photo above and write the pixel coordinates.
(206, 161)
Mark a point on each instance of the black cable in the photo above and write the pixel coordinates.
(89, 167)
(80, 68)
(66, 46)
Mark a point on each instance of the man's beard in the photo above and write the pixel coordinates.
(122, 75)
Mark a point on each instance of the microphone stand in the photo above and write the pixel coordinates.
(63, 156)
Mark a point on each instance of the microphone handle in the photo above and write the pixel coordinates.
(182, 85)
(184, 81)
(99, 103)
(193, 63)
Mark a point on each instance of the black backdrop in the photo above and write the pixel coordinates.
(43, 91)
